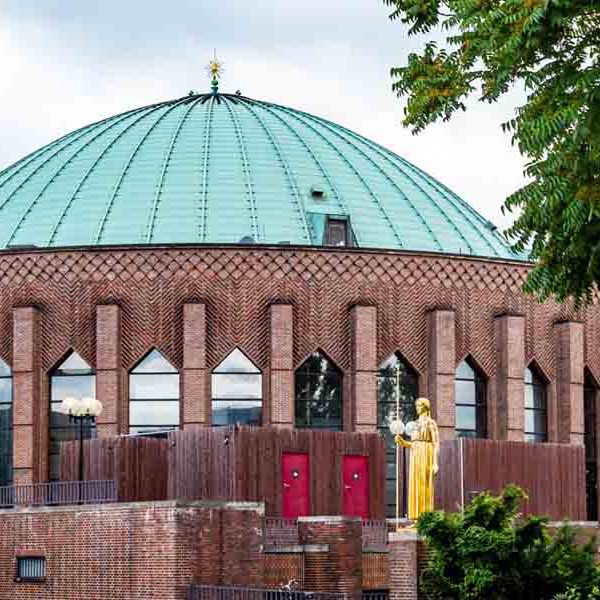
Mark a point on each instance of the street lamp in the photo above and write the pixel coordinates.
(81, 412)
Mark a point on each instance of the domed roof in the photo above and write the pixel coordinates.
(220, 168)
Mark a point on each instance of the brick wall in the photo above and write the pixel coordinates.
(376, 571)
(197, 304)
(403, 565)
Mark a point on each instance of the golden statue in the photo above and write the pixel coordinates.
(424, 447)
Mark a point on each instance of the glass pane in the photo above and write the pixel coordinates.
(466, 433)
(237, 362)
(388, 365)
(154, 362)
(4, 369)
(230, 413)
(465, 371)
(6, 442)
(465, 392)
(529, 377)
(465, 418)
(528, 395)
(57, 417)
(529, 421)
(5, 389)
(73, 364)
(157, 387)
(154, 413)
(152, 429)
(76, 386)
(236, 386)
(539, 397)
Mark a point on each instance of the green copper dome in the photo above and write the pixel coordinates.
(219, 168)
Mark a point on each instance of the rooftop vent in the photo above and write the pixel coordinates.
(317, 193)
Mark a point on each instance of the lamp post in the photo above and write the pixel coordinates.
(81, 412)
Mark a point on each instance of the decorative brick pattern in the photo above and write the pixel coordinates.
(195, 381)
(281, 568)
(376, 571)
(364, 367)
(282, 365)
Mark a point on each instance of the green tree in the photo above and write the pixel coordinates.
(490, 553)
(552, 48)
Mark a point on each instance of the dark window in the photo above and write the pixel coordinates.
(31, 568)
(470, 400)
(236, 391)
(336, 233)
(73, 378)
(397, 390)
(153, 395)
(6, 424)
(590, 399)
(318, 394)
(536, 407)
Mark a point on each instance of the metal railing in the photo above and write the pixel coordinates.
(206, 592)
(374, 535)
(375, 594)
(58, 493)
(281, 532)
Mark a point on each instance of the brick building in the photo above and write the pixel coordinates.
(215, 260)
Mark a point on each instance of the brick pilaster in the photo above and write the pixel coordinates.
(195, 400)
(569, 360)
(403, 565)
(30, 421)
(282, 365)
(364, 367)
(108, 367)
(441, 367)
(509, 340)
(339, 569)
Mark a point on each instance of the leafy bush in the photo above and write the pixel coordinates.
(490, 552)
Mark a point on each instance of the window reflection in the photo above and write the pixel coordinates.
(397, 388)
(153, 395)
(6, 425)
(318, 394)
(72, 378)
(470, 400)
(236, 391)
(536, 409)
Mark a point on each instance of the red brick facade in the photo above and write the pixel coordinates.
(279, 304)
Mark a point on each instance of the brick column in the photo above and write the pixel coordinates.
(30, 422)
(364, 367)
(441, 367)
(108, 367)
(569, 352)
(194, 399)
(403, 565)
(339, 570)
(509, 340)
(282, 365)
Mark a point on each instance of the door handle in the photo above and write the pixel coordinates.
(286, 485)
(348, 487)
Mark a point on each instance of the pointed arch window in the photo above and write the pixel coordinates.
(237, 391)
(318, 403)
(536, 406)
(153, 395)
(397, 387)
(6, 424)
(72, 378)
(470, 398)
(590, 407)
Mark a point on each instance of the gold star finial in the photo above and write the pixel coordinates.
(215, 69)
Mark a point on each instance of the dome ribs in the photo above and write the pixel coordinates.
(246, 163)
(369, 189)
(169, 153)
(109, 206)
(318, 162)
(90, 170)
(204, 204)
(290, 177)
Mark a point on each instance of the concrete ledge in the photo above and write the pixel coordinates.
(334, 520)
(406, 535)
(297, 549)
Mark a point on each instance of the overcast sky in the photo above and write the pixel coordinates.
(66, 63)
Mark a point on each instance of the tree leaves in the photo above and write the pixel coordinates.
(552, 47)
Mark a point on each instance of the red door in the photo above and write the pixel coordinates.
(296, 485)
(356, 486)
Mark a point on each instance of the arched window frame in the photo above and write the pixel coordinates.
(236, 391)
(535, 405)
(71, 377)
(591, 396)
(6, 424)
(306, 378)
(470, 399)
(146, 404)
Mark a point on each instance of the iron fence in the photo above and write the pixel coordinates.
(375, 594)
(281, 532)
(205, 592)
(58, 493)
(374, 535)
